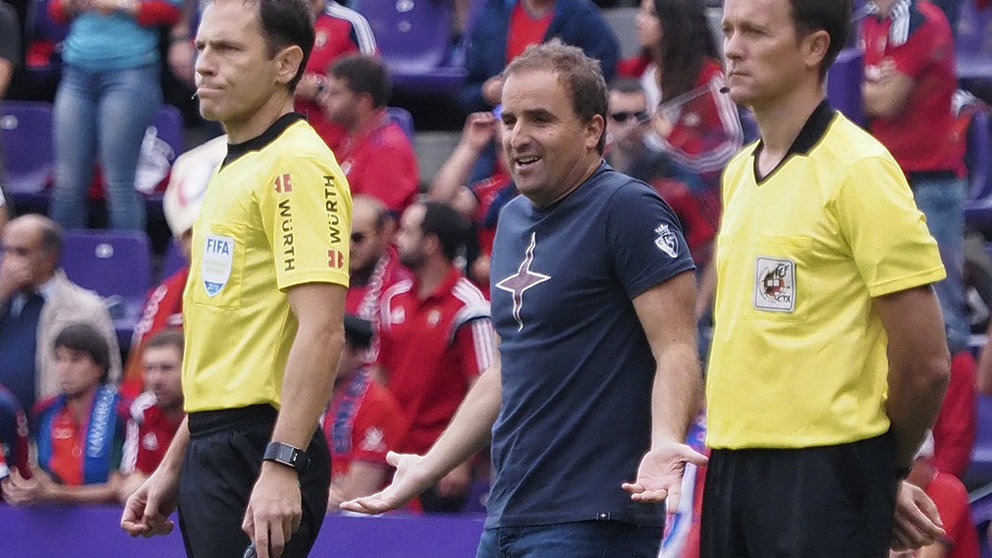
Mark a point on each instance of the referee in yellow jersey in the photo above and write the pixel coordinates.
(263, 305)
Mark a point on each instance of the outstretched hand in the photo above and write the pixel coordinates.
(659, 476)
(411, 478)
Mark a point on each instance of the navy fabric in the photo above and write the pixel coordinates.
(18, 341)
(577, 369)
(576, 22)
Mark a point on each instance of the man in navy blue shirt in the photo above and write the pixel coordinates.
(597, 377)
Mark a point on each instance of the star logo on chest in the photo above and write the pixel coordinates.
(522, 280)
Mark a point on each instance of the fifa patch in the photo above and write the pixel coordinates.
(667, 241)
(215, 267)
(775, 284)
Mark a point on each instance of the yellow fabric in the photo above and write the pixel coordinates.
(275, 217)
(808, 367)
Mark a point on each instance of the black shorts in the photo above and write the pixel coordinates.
(222, 463)
(821, 502)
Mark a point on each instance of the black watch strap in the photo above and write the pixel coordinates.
(287, 455)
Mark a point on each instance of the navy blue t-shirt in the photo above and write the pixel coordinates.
(577, 369)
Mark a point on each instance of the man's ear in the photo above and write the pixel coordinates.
(288, 62)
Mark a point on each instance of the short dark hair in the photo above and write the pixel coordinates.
(171, 337)
(832, 16)
(364, 74)
(626, 85)
(286, 23)
(444, 222)
(582, 77)
(84, 338)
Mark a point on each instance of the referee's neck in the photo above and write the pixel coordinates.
(780, 122)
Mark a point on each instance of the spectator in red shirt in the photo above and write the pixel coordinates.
(79, 433)
(339, 31)
(155, 414)
(376, 156)
(437, 337)
(909, 82)
(362, 423)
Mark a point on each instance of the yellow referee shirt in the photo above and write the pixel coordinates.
(799, 353)
(276, 214)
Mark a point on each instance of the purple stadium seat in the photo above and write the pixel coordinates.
(844, 84)
(973, 44)
(115, 264)
(173, 260)
(978, 210)
(42, 40)
(169, 127)
(41, 26)
(413, 37)
(980, 470)
(404, 119)
(26, 142)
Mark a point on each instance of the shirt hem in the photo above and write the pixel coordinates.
(927, 277)
(732, 442)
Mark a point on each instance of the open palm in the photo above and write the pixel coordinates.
(659, 476)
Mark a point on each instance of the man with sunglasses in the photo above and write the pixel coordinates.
(374, 265)
(626, 126)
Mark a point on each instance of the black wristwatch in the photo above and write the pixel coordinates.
(287, 455)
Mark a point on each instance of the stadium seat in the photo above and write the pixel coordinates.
(43, 38)
(173, 260)
(163, 143)
(973, 43)
(844, 84)
(404, 119)
(413, 37)
(115, 264)
(980, 470)
(978, 210)
(26, 142)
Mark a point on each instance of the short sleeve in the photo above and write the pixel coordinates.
(306, 207)
(893, 253)
(475, 344)
(644, 239)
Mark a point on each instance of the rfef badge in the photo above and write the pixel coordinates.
(775, 284)
(215, 267)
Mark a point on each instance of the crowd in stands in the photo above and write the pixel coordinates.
(77, 426)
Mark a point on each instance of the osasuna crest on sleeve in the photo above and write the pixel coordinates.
(667, 241)
(215, 268)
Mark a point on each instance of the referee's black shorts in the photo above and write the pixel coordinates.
(821, 502)
(222, 463)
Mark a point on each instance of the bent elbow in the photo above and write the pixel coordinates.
(937, 373)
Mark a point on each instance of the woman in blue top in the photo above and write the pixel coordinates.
(108, 96)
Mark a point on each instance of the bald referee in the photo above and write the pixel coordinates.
(263, 305)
